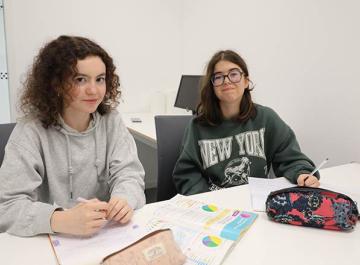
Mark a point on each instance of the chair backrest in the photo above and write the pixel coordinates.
(5, 131)
(169, 133)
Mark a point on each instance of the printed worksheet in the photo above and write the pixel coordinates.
(204, 232)
(74, 250)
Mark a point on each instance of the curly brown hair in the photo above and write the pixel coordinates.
(51, 77)
(208, 111)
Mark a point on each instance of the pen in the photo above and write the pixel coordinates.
(81, 199)
(319, 166)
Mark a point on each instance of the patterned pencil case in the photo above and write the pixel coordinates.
(314, 207)
(157, 248)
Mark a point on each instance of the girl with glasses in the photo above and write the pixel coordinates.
(70, 164)
(232, 138)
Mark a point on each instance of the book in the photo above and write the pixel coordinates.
(204, 232)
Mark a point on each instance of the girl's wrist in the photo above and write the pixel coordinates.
(57, 218)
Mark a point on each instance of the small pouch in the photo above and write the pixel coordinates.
(156, 248)
(312, 207)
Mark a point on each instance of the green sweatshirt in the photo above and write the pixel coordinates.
(218, 157)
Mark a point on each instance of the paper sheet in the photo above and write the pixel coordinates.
(71, 250)
(261, 187)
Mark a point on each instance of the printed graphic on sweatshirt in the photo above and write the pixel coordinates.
(237, 172)
(213, 186)
(250, 143)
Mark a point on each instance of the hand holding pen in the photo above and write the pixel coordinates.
(310, 180)
(85, 218)
(118, 209)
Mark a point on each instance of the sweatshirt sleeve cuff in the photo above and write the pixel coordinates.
(42, 219)
(135, 200)
(293, 177)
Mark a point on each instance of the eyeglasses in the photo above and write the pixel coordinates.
(234, 76)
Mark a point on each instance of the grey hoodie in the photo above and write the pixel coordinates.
(46, 169)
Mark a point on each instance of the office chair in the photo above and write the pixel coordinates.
(169, 133)
(5, 131)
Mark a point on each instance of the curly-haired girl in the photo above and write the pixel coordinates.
(70, 145)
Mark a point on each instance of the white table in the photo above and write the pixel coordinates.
(143, 131)
(266, 242)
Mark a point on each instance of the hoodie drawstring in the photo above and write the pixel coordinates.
(97, 160)
(70, 169)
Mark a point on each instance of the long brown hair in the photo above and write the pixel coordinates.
(51, 77)
(208, 111)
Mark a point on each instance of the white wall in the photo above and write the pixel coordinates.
(303, 57)
(142, 36)
(4, 87)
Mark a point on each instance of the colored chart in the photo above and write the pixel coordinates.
(245, 215)
(211, 241)
(210, 208)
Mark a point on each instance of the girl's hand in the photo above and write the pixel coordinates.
(308, 180)
(86, 218)
(119, 210)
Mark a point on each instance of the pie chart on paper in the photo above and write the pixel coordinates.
(210, 208)
(211, 241)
